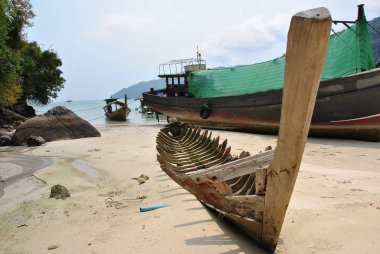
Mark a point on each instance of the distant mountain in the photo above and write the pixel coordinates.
(375, 37)
(135, 91)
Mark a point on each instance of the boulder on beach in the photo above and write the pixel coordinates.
(56, 124)
(59, 192)
(35, 141)
(24, 109)
(5, 140)
(8, 117)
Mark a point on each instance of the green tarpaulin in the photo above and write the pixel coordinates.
(349, 52)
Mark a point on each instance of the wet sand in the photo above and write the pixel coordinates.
(15, 166)
(334, 208)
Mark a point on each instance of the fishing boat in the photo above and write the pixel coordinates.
(248, 98)
(254, 191)
(116, 110)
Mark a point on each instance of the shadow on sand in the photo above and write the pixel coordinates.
(232, 235)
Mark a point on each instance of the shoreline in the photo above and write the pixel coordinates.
(334, 207)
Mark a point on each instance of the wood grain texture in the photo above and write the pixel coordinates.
(308, 39)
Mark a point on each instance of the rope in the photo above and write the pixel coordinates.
(110, 202)
(373, 28)
(113, 203)
(95, 118)
(86, 109)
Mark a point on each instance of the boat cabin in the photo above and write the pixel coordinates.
(176, 74)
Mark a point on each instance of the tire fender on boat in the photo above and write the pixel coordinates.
(205, 111)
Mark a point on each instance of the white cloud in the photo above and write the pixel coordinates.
(372, 3)
(242, 40)
(116, 24)
(127, 21)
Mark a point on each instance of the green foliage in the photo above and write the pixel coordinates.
(10, 80)
(41, 74)
(26, 71)
(20, 15)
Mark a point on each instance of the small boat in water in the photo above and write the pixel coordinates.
(248, 98)
(254, 191)
(116, 110)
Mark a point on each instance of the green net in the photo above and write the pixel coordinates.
(349, 52)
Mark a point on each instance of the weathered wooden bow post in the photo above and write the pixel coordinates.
(308, 39)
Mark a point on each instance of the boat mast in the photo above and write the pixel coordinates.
(361, 17)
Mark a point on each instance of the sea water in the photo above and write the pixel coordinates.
(92, 111)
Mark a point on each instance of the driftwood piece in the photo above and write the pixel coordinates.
(254, 191)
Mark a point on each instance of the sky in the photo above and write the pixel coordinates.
(109, 45)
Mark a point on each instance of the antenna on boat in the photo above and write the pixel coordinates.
(199, 57)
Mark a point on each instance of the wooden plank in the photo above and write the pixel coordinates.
(260, 181)
(308, 39)
(253, 202)
(234, 168)
(231, 172)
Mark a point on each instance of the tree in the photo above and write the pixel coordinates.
(40, 73)
(20, 15)
(26, 71)
(10, 79)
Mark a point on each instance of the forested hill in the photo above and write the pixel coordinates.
(375, 38)
(135, 91)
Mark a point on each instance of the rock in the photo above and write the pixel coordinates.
(268, 148)
(35, 141)
(5, 140)
(6, 132)
(56, 124)
(59, 192)
(8, 117)
(24, 110)
(244, 154)
(176, 128)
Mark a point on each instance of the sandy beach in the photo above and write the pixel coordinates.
(335, 207)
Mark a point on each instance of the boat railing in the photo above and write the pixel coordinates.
(181, 67)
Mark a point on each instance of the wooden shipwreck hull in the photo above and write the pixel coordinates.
(254, 191)
(204, 166)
